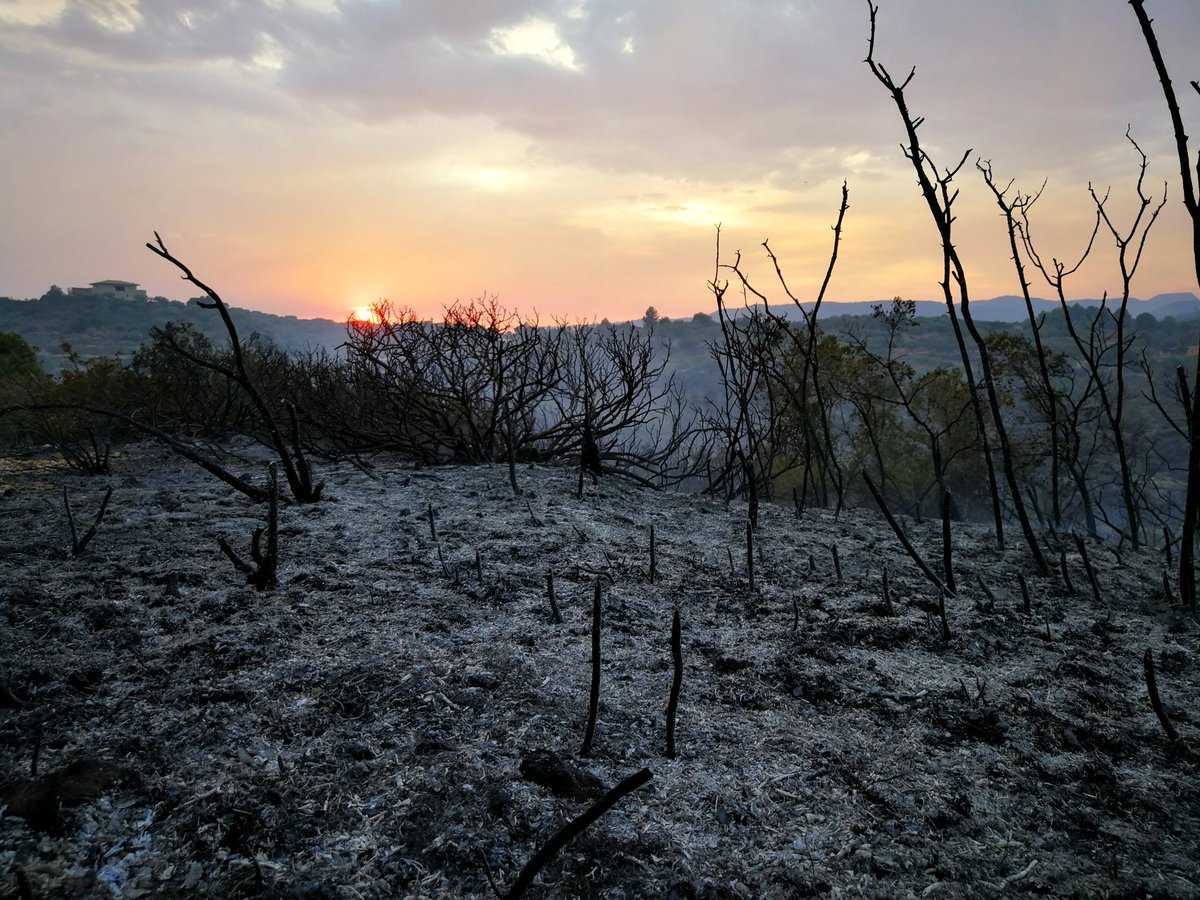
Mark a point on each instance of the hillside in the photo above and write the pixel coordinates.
(401, 710)
(105, 327)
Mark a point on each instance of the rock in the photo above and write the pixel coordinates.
(40, 801)
(500, 801)
(485, 680)
(429, 745)
(985, 724)
(359, 750)
(726, 664)
(560, 777)
(12, 697)
(194, 874)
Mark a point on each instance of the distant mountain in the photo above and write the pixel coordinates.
(1012, 309)
(106, 326)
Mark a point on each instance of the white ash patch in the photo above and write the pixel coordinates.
(359, 732)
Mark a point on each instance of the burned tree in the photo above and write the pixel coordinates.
(746, 419)
(1191, 513)
(290, 452)
(939, 195)
(761, 344)
(1096, 349)
(1012, 208)
(484, 384)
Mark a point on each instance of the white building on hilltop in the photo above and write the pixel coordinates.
(117, 290)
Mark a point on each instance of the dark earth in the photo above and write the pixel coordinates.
(387, 720)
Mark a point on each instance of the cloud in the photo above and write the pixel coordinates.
(537, 39)
(723, 83)
(616, 121)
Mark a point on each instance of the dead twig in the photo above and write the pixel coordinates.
(1026, 604)
(1087, 565)
(594, 696)
(263, 574)
(1066, 573)
(36, 756)
(987, 592)
(676, 681)
(1155, 700)
(901, 536)
(79, 544)
(653, 557)
(750, 554)
(24, 891)
(569, 832)
(1167, 592)
(555, 615)
(947, 563)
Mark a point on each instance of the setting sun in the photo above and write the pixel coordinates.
(364, 315)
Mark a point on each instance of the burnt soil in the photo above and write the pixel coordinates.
(386, 720)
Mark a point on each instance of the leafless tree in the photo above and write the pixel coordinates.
(1012, 208)
(1098, 352)
(1191, 513)
(939, 194)
(747, 417)
(484, 385)
(762, 345)
(291, 455)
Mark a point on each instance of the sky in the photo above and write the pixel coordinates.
(572, 156)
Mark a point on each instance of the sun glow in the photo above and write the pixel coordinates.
(364, 315)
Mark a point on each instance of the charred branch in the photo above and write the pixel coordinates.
(263, 568)
(79, 542)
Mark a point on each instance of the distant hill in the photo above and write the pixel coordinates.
(1012, 309)
(103, 326)
(109, 326)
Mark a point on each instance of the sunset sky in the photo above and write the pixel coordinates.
(310, 156)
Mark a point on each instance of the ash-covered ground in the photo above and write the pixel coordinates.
(386, 720)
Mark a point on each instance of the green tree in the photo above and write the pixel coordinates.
(17, 358)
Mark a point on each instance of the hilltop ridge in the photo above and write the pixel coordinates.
(106, 326)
